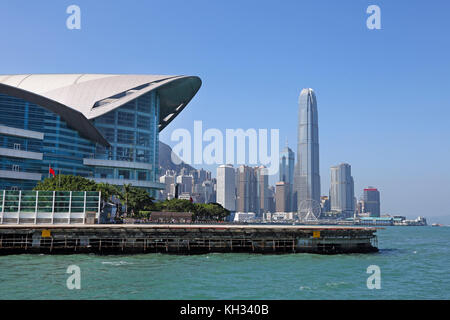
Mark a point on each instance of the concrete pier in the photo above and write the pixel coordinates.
(185, 239)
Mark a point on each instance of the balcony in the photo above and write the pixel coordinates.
(17, 153)
(117, 164)
(19, 175)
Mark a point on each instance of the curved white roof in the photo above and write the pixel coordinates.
(87, 96)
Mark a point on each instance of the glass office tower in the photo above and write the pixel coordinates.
(342, 193)
(287, 169)
(307, 169)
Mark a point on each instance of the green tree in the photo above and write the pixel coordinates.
(139, 199)
(201, 211)
(124, 195)
(178, 205)
(62, 182)
(107, 191)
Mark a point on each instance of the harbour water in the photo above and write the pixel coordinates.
(414, 264)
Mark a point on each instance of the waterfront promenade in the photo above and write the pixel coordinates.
(185, 238)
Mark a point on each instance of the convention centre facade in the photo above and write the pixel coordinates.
(100, 126)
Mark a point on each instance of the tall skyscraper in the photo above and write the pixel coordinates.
(287, 164)
(307, 177)
(371, 200)
(262, 180)
(225, 194)
(252, 189)
(342, 193)
(287, 168)
(246, 193)
(281, 197)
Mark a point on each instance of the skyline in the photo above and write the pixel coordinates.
(383, 97)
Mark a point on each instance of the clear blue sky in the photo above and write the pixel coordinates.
(383, 95)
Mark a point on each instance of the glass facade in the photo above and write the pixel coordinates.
(62, 148)
(132, 131)
(307, 170)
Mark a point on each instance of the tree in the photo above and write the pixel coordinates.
(201, 211)
(124, 195)
(107, 191)
(139, 199)
(177, 205)
(62, 182)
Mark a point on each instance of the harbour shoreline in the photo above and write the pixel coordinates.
(186, 239)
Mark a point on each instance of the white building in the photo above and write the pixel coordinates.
(244, 217)
(279, 216)
(167, 179)
(226, 186)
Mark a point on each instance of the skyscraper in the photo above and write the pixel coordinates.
(342, 193)
(186, 183)
(245, 189)
(287, 167)
(287, 163)
(226, 187)
(307, 177)
(281, 197)
(371, 199)
(252, 189)
(167, 179)
(262, 180)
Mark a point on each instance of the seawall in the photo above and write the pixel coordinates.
(185, 239)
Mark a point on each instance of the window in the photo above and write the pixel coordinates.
(125, 119)
(125, 174)
(143, 139)
(142, 155)
(104, 172)
(108, 133)
(143, 122)
(125, 154)
(142, 175)
(125, 136)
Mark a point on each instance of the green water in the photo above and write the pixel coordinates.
(414, 264)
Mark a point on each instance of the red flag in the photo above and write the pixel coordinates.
(51, 171)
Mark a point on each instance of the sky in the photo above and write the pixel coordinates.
(383, 95)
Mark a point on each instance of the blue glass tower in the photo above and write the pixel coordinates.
(287, 167)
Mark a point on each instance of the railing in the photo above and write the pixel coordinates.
(52, 207)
